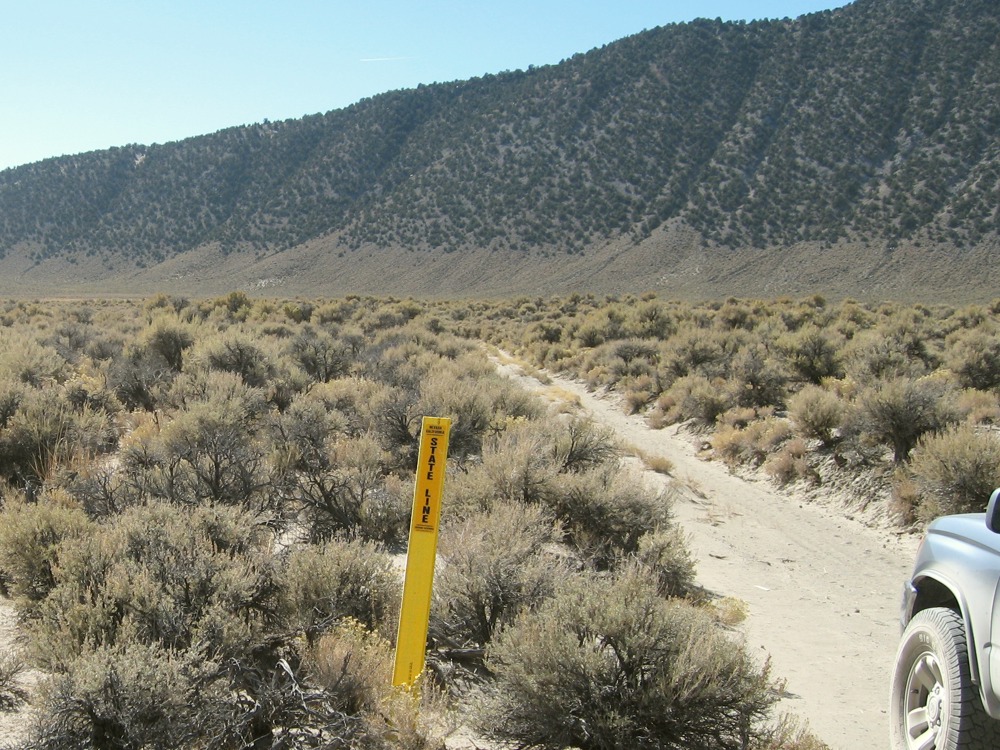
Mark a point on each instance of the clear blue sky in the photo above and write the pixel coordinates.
(80, 75)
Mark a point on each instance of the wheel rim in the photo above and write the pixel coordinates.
(926, 703)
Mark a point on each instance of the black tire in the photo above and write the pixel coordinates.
(933, 703)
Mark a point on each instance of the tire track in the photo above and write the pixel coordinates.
(822, 589)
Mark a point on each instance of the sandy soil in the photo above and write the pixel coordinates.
(15, 719)
(821, 585)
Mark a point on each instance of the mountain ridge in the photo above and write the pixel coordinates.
(862, 132)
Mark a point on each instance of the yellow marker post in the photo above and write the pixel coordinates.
(414, 617)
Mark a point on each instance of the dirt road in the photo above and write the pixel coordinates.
(822, 588)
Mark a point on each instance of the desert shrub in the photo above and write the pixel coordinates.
(30, 539)
(118, 697)
(956, 470)
(596, 376)
(898, 412)
(385, 317)
(979, 407)
(695, 397)
(298, 311)
(812, 353)
(169, 339)
(738, 417)
(895, 350)
(518, 466)
(632, 358)
(768, 434)
(354, 666)
(345, 488)
(604, 512)
(467, 402)
(665, 556)
(817, 413)
(545, 331)
(303, 432)
(493, 569)
(237, 352)
(756, 379)
(333, 311)
(344, 395)
(237, 683)
(600, 325)
(139, 376)
(752, 444)
(521, 464)
(974, 356)
(361, 401)
(650, 319)
(385, 513)
(321, 355)
(25, 360)
(12, 394)
(610, 664)
(163, 302)
(398, 360)
(579, 443)
(904, 500)
(94, 432)
(105, 346)
(214, 452)
(99, 488)
(235, 306)
(39, 435)
(69, 340)
(200, 578)
(360, 709)
(589, 334)
(653, 462)
(789, 734)
(88, 390)
(736, 314)
(728, 611)
(693, 351)
(12, 666)
(728, 442)
(344, 579)
(790, 463)
(555, 357)
(470, 491)
(639, 393)
(393, 419)
(46, 431)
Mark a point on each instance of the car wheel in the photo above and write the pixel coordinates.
(933, 703)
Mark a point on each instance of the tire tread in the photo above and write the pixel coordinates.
(972, 727)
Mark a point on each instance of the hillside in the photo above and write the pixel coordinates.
(854, 152)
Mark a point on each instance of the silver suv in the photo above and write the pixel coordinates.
(945, 691)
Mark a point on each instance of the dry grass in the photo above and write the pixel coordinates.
(564, 399)
(729, 611)
(652, 462)
(690, 485)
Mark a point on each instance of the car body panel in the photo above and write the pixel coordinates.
(960, 557)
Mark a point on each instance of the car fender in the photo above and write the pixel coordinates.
(941, 573)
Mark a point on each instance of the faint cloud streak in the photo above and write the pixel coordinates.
(384, 59)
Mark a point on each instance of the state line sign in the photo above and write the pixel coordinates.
(421, 551)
